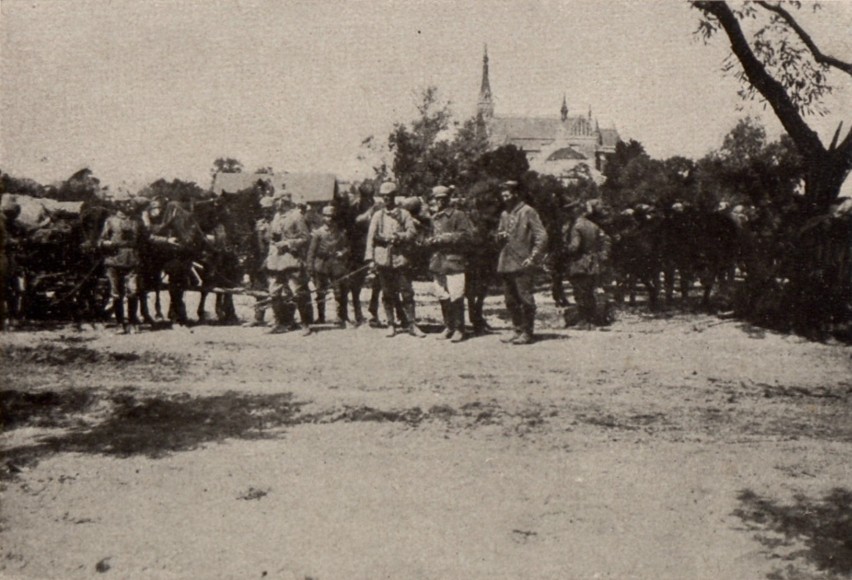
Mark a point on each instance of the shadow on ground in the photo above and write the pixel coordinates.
(125, 423)
(812, 536)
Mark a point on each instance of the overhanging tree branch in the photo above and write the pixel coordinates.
(773, 91)
(818, 55)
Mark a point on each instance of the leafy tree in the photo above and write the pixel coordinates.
(504, 163)
(783, 65)
(81, 186)
(20, 185)
(175, 190)
(226, 165)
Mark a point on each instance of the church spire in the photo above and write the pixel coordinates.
(564, 109)
(485, 106)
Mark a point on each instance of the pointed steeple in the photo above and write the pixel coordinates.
(485, 106)
(564, 109)
(590, 112)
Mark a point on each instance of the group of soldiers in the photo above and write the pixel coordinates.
(375, 248)
(374, 242)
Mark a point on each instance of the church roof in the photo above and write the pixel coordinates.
(566, 153)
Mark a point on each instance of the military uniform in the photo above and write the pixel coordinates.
(524, 239)
(588, 249)
(390, 230)
(451, 232)
(328, 263)
(121, 238)
(288, 284)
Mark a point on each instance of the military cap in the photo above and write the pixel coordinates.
(387, 188)
(440, 191)
(328, 211)
(510, 184)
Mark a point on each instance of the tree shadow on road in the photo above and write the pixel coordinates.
(126, 423)
(814, 536)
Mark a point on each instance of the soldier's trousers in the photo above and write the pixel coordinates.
(397, 291)
(518, 292)
(288, 291)
(356, 283)
(339, 289)
(584, 295)
(123, 282)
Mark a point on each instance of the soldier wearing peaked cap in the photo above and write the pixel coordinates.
(524, 240)
(328, 264)
(450, 234)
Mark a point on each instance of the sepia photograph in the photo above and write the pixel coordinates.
(426, 289)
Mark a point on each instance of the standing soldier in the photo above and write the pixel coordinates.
(524, 240)
(328, 260)
(391, 227)
(258, 252)
(587, 251)
(450, 233)
(288, 285)
(361, 212)
(120, 239)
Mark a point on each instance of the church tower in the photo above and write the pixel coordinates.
(564, 109)
(485, 106)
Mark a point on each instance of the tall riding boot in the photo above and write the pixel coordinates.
(143, 309)
(411, 326)
(448, 319)
(279, 313)
(390, 315)
(305, 315)
(118, 310)
(356, 307)
(457, 314)
(132, 306)
(321, 311)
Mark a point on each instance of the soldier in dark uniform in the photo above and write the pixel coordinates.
(120, 240)
(258, 252)
(449, 235)
(328, 264)
(524, 240)
(359, 222)
(587, 249)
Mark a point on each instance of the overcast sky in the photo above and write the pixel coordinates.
(140, 90)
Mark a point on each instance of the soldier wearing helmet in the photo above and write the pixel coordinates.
(288, 283)
(391, 228)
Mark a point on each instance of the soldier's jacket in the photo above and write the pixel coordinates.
(588, 247)
(289, 239)
(451, 233)
(329, 252)
(390, 230)
(527, 238)
(124, 236)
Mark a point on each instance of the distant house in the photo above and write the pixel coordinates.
(313, 189)
(562, 146)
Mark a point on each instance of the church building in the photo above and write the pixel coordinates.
(568, 147)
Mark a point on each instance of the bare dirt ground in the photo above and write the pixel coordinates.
(679, 446)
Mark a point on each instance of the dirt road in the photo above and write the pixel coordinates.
(667, 447)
